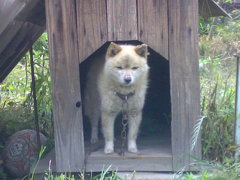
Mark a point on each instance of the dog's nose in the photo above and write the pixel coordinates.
(127, 80)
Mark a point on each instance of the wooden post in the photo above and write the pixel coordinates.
(237, 108)
(64, 64)
(184, 75)
(33, 87)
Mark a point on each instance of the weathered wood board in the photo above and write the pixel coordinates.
(122, 20)
(8, 10)
(8, 34)
(64, 64)
(155, 154)
(153, 25)
(184, 73)
(92, 26)
(16, 43)
(17, 32)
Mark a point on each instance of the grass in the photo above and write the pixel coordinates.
(106, 174)
(229, 169)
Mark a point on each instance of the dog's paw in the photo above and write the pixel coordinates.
(108, 147)
(94, 140)
(132, 147)
(108, 150)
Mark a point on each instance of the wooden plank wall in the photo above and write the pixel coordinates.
(92, 26)
(64, 64)
(122, 20)
(184, 72)
(153, 25)
(101, 21)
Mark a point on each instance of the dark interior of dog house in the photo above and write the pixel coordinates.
(155, 128)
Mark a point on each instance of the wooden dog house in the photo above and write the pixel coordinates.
(76, 29)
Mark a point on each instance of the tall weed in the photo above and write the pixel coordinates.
(16, 101)
(217, 78)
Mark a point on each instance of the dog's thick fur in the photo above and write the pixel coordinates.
(122, 70)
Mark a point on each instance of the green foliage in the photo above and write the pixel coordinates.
(16, 105)
(217, 77)
(227, 170)
(104, 175)
(204, 25)
(218, 98)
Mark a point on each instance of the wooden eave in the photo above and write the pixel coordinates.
(209, 8)
(21, 24)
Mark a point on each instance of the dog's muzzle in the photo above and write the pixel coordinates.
(127, 79)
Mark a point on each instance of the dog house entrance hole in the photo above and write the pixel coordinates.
(154, 139)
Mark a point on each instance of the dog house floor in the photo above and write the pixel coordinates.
(154, 154)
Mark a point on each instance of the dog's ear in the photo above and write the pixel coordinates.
(113, 49)
(142, 50)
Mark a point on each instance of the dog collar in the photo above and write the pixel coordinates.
(124, 97)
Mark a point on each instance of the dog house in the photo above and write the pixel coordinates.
(80, 29)
(77, 29)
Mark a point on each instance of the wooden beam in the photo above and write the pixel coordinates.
(8, 10)
(11, 32)
(64, 66)
(122, 20)
(184, 75)
(15, 44)
(153, 25)
(34, 12)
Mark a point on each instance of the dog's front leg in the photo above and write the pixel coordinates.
(108, 119)
(134, 122)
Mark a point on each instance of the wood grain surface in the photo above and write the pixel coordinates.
(64, 64)
(184, 75)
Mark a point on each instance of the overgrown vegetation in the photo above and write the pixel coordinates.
(106, 174)
(16, 104)
(217, 76)
(219, 41)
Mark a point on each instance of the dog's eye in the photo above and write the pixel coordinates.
(134, 68)
(119, 67)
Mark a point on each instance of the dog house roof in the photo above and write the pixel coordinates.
(23, 22)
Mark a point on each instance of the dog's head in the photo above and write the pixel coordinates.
(126, 64)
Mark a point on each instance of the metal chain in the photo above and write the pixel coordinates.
(124, 126)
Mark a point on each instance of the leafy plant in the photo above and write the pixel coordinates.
(16, 105)
(213, 170)
(104, 175)
(217, 77)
